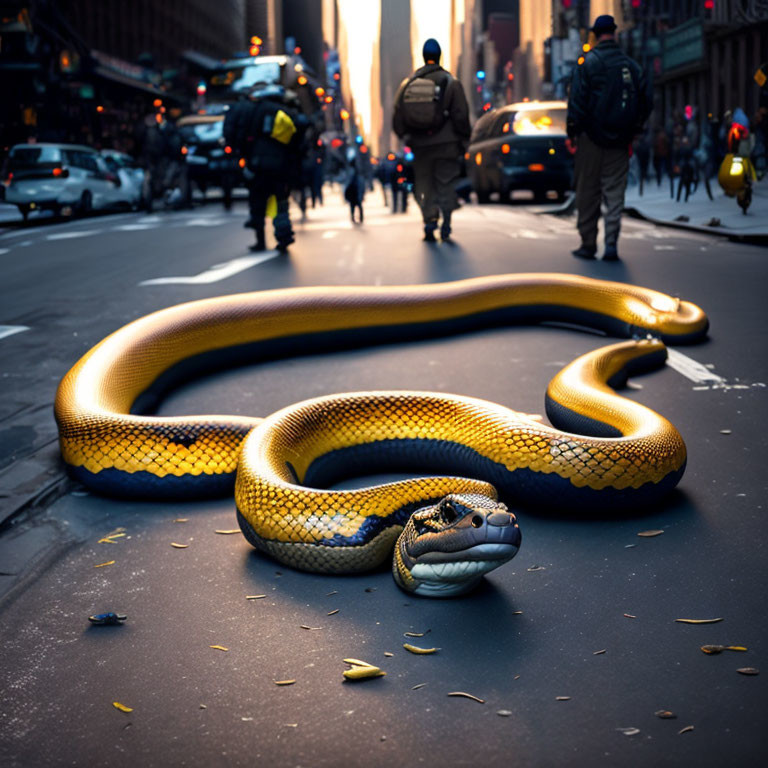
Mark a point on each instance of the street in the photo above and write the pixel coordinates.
(573, 648)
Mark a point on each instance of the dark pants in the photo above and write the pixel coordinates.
(436, 171)
(259, 191)
(601, 176)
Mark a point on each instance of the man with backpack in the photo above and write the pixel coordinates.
(432, 115)
(607, 107)
(267, 131)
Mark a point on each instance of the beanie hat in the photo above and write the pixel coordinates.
(603, 25)
(431, 50)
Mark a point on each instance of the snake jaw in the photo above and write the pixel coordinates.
(447, 548)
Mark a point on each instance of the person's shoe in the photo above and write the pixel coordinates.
(611, 253)
(584, 252)
(248, 224)
(257, 247)
(429, 235)
(445, 234)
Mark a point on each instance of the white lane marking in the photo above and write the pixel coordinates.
(9, 330)
(691, 369)
(71, 235)
(331, 233)
(149, 220)
(204, 222)
(4, 251)
(216, 272)
(134, 227)
(664, 248)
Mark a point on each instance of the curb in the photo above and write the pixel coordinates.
(731, 234)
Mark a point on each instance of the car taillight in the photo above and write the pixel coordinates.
(535, 167)
(505, 149)
(184, 150)
(478, 158)
(241, 162)
(228, 150)
(60, 173)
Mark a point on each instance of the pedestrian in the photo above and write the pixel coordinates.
(267, 132)
(354, 191)
(660, 153)
(432, 115)
(608, 105)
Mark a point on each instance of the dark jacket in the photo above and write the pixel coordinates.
(587, 84)
(455, 129)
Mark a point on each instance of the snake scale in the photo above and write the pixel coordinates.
(603, 452)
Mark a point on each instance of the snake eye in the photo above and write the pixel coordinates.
(448, 512)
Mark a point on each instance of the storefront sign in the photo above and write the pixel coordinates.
(683, 45)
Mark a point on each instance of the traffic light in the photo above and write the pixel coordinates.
(480, 74)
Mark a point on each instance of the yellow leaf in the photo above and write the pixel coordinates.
(121, 707)
(218, 647)
(101, 565)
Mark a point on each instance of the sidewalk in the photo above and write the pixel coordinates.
(703, 214)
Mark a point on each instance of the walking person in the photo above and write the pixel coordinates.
(354, 191)
(267, 132)
(432, 115)
(607, 107)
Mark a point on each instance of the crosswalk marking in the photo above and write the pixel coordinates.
(216, 272)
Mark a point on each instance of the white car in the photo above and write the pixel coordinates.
(61, 178)
(130, 173)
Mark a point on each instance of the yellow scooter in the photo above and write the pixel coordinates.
(736, 172)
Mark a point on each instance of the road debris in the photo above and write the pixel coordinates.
(416, 687)
(417, 650)
(331, 613)
(110, 619)
(698, 621)
(179, 546)
(227, 531)
(597, 653)
(651, 533)
(665, 714)
(748, 671)
(305, 626)
(562, 698)
(712, 649)
(467, 696)
(121, 707)
(218, 647)
(416, 634)
(630, 616)
(629, 731)
(101, 565)
(284, 682)
(254, 597)
(504, 712)
(687, 729)
(361, 670)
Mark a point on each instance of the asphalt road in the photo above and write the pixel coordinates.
(573, 646)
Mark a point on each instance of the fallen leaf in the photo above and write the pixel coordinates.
(712, 649)
(630, 616)
(284, 682)
(504, 712)
(697, 621)
(687, 729)
(629, 731)
(228, 531)
(726, 431)
(181, 520)
(416, 634)
(416, 687)
(331, 613)
(179, 546)
(218, 647)
(387, 653)
(562, 698)
(597, 653)
(665, 714)
(101, 565)
(467, 696)
(363, 672)
(254, 597)
(417, 650)
(538, 568)
(748, 671)
(649, 534)
(121, 707)
(304, 626)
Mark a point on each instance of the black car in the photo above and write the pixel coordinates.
(210, 162)
(521, 146)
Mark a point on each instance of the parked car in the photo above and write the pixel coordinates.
(521, 146)
(210, 162)
(130, 173)
(61, 178)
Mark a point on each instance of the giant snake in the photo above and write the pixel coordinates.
(604, 452)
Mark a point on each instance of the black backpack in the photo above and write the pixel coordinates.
(616, 111)
(422, 103)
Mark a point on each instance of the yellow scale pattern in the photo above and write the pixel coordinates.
(97, 431)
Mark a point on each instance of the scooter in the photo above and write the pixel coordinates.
(737, 172)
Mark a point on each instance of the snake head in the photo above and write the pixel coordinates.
(445, 549)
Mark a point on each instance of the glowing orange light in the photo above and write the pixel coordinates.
(399, 168)
(241, 162)
(344, 114)
(254, 50)
(158, 118)
(478, 158)
(580, 60)
(401, 180)
(228, 150)
(256, 40)
(505, 128)
(56, 172)
(363, 148)
(329, 99)
(319, 91)
(99, 108)
(535, 167)
(391, 156)
(297, 50)
(302, 80)
(336, 76)
(184, 150)
(505, 149)
(466, 155)
(486, 106)
(157, 103)
(586, 47)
